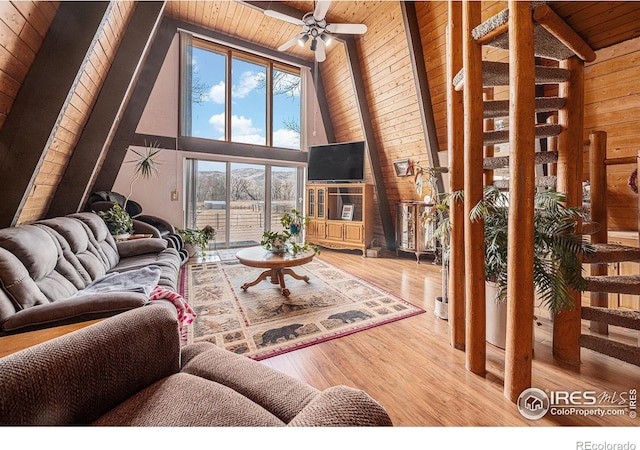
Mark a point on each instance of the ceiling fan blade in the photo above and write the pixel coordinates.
(321, 9)
(347, 28)
(290, 43)
(320, 51)
(280, 16)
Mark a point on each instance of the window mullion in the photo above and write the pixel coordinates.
(228, 93)
(269, 94)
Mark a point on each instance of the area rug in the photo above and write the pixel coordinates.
(258, 324)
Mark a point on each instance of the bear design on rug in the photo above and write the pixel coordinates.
(350, 316)
(272, 336)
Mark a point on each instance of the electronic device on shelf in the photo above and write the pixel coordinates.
(340, 163)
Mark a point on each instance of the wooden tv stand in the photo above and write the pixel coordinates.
(341, 215)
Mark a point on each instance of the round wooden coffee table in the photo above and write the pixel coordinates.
(278, 265)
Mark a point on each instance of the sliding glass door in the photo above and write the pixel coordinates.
(232, 198)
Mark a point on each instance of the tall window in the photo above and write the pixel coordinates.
(233, 96)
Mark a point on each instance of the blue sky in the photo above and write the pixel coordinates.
(248, 107)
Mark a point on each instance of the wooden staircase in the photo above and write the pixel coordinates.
(540, 33)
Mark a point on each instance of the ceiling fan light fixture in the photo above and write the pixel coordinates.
(303, 39)
(314, 44)
(326, 38)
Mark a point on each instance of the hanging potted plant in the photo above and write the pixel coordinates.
(557, 266)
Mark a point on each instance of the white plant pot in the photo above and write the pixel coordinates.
(496, 317)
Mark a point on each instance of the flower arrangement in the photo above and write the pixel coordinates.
(293, 223)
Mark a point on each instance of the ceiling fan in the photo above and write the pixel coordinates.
(316, 29)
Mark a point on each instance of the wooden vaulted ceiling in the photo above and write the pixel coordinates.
(600, 23)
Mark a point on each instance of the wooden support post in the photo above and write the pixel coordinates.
(489, 149)
(455, 136)
(598, 182)
(519, 351)
(552, 169)
(476, 346)
(567, 323)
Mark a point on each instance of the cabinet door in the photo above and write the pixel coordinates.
(334, 230)
(353, 232)
(321, 203)
(311, 203)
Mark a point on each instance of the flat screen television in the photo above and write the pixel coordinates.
(336, 162)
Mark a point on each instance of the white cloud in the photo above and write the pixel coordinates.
(216, 94)
(286, 138)
(248, 82)
(242, 129)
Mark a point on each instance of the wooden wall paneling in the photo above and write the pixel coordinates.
(22, 146)
(372, 145)
(416, 55)
(612, 97)
(72, 190)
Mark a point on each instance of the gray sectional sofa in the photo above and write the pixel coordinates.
(45, 266)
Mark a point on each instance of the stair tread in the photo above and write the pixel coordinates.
(614, 284)
(545, 44)
(608, 253)
(497, 74)
(617, 317)
(496, 162)
(501, 136)
(500, 108)
(618, 350)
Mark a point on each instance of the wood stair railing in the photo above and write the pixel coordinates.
(548, 38)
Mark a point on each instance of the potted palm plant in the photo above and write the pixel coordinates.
(557, 266)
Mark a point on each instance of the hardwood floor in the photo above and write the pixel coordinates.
(411, 369)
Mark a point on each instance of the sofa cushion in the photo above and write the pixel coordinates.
(168, 261)
(77, 235)
(78, 377)
(47, 258)
(100, 237)
(279, 394)
(74, 309)
(342, 406)
(18, 284)
(186, 400)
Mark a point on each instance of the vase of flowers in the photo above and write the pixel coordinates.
(287, 240)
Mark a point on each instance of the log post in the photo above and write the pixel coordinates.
(567, 323)
(476, 346)
(552, 146)
(598, 182)
(455, 136)
(519, 351)
(488, 149)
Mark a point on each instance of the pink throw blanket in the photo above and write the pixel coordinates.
(186, 315)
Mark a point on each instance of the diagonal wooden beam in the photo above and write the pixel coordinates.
(412, 30)
(72, 190)
(34, 117)
(128, 122)
(372, 146)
